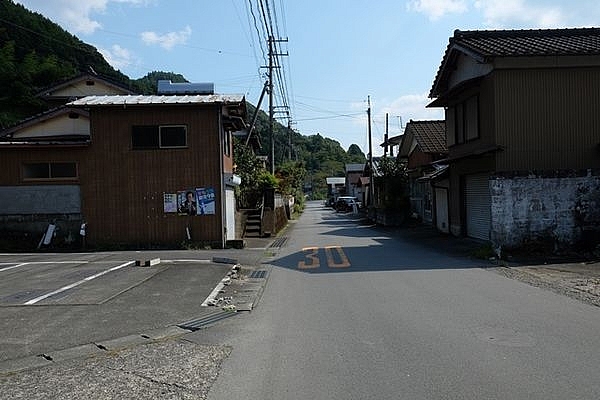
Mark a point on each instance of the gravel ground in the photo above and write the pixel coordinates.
(580, 281)
(170, 369)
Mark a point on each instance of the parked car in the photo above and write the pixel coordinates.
(346, 203)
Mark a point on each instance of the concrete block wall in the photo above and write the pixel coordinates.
(560, 208)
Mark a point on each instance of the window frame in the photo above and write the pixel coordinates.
(49, 177)
(157, 141)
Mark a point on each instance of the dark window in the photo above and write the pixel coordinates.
(460, 123)
(63, 170)
(227, 143)
(173, 136)
(144, 137)
(90, 83)
(57, 170)
(451, 126)
(156, 137)
(36, 171)
(472, 118)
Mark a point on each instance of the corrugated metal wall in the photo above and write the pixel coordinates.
(548, 118)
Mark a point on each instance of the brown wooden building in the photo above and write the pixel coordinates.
(129, 179)
(522, 128)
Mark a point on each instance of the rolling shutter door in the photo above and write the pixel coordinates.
(478, 206)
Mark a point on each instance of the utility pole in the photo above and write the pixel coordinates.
(289, 138)
(371, 191)
(385, 148)
(271, 67)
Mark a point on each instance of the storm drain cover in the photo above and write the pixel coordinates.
(259, 274)
(279, 242)
(200, 323)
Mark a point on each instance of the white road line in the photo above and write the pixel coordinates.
(72, 285)
(14, 266)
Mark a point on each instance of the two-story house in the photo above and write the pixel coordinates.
(522, 129)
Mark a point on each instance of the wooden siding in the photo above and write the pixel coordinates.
(13, 158)
(122, 189)
(548, 118)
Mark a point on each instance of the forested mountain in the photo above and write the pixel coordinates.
(36, 53)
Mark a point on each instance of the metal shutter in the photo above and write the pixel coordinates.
(478, 206)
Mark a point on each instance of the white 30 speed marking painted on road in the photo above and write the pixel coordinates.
(72, 285)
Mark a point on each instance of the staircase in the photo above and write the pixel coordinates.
(253, 223)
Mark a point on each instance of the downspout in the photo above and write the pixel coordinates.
(221, 177)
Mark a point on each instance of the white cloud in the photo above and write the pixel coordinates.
(410, 106)
(167, 40)
(520, 12)
(76, 16)
(436, 9)
(117, 56)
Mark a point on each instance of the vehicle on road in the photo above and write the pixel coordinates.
(346, 203)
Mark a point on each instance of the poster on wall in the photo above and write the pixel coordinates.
(206, 201)
(186, 202)
(170, 202)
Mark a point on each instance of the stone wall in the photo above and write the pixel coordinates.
(562, 208)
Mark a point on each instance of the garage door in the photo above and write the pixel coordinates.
(478, 206)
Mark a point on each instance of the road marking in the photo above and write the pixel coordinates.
(335, 257)
(331, 263)
(14, 266)
(313, 256)
(72, 285)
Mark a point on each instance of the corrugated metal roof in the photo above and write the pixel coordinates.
(355, 167)
(334, 180)
(156, 100)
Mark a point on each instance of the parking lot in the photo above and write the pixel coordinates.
(56, 301)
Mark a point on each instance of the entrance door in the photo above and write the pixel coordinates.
(441, 210)
(230, 213)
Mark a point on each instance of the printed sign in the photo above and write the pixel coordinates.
(186, 202)
(206, 201)
(170, 202)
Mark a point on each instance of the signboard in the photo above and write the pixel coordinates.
(198, 201)
(206, 201)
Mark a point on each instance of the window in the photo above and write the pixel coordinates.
(227, 143)
(158, 136)
(462, 121)
(472, 118)
(51, 170)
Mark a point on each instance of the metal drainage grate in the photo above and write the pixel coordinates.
(260, 274)
(279, 242)
(200, 323)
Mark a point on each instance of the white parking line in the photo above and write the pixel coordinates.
(14, 266)
(72, 285)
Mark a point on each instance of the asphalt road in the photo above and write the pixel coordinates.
(350, 312)
(52, 302)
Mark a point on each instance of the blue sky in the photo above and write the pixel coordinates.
(340, 51)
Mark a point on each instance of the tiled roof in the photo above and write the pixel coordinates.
(430, 135)
(486, 45)
(541, 42)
